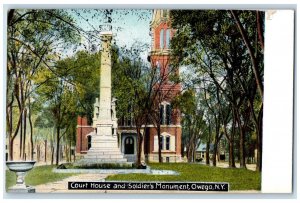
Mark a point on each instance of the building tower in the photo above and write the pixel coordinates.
(161, 34)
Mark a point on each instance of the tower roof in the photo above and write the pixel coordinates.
(159, 16)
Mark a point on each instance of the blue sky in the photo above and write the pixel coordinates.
(128, 26)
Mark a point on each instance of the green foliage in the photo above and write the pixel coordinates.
(238, 179)
(83, 73)
(209, 44)
(130, 77)
(10, 179)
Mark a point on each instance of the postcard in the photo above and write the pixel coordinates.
(145, 101)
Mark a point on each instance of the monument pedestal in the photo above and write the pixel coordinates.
(104, 150)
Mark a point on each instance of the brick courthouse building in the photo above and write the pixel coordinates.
(170, 118)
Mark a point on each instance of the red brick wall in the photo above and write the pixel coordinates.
(170, 89)
(83, 129)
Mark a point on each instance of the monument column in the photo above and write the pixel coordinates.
(104, 124)
(104, 145)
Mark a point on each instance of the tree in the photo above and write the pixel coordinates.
(194, 125)
(33, 35)
(211, 41)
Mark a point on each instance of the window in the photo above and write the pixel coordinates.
(165, 114)
(129, 121)
(161, 114)
(161, 37)
(89, 142)
(167, 143)
(161, 142)
(167, 159)
(168, 114)
(129, 145)
(168, 35)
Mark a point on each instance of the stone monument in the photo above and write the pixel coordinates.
(104, 141)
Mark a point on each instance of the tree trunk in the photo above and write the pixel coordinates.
(259, 141)
(12, 137)
(159, 144)
(182, 149)
(24, 136)
(215, 152)
(190, 152)
(21, 136)
(195, 153)
(207, 153)
(231, 144)
(208, 147)
(52, 154)
(9, 120)
(241, 143)
(57, 145)
(216, 142)
(45, 152)
(38, 152)
(31, 132)
(11, 149)
(242, 150)
(230, 139)
(251, 54)
(70, 150)
(260, 29)
(231, 155)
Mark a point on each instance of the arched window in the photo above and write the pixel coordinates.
(129, 145)
(161, 37)
(168, 36)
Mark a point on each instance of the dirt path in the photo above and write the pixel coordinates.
(62, 185)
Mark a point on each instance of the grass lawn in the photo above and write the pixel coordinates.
(38, 175)
(238, 179)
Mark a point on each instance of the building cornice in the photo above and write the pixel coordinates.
(84, 126)
(160, 52)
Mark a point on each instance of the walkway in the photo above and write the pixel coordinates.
(62, 185)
